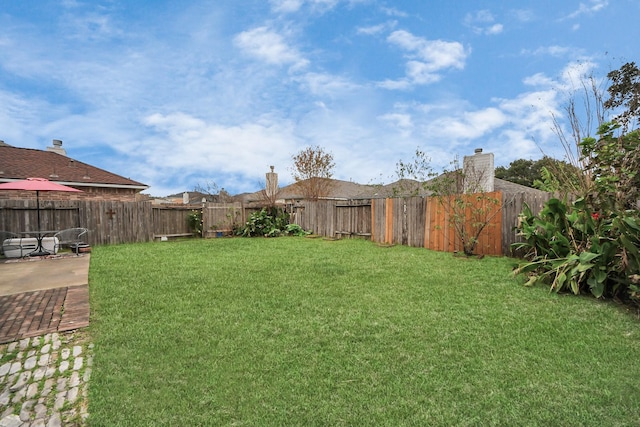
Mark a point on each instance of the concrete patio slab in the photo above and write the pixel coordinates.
(28, 275)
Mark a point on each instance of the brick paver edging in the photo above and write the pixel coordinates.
(32, 314)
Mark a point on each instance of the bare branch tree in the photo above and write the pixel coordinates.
(584, 122)
(312, 170)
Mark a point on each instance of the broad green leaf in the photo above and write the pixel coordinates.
(584, 267)
(600, 275)
(597, 290)
(560, 280)
(575, 287)
(628, 244)
(631, 222)
(588, 257)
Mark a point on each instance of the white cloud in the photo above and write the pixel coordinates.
(377, 29)
(401, 84)
(326, 85)
(539, 80)
(533, 112)
(185, 142)
(555, 51)
(392, 11)
(588, 9)
(517, 141)
(427, 58)
(286, 6)
(523, 15)
(401, 122)
(575, 73)
(269, 46)
(291, 6)
(483, 22)
(494, 29)
(469, 125)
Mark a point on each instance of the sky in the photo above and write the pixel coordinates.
(180, 94)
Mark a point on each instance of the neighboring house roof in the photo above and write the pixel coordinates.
(21, 163)
(337, 190)
(512, 187)
(400, 188)
(195, 198)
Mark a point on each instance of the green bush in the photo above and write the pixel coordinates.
(295, 230)
(593, 244)
(194, 219)
(270, 222)
(573, 249)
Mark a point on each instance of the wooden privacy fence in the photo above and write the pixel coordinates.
(108, 222)
(416, 221)
(422, 221)
(113, 222)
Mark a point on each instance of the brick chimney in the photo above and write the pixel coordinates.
(57, 148)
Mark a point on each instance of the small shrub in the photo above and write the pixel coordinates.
(194, 219)
(295, 230)
(271, 222)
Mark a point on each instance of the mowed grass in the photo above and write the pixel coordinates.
(309, 332)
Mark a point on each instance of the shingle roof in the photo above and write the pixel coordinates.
(402, 188)
(22, 163)
(512, 187)
(338, 190)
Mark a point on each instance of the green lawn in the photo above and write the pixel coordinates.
(309, 332)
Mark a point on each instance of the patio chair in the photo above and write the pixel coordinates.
(71, 237)
(6, 236)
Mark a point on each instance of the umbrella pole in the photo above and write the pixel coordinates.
(38, 209)
(40, 249)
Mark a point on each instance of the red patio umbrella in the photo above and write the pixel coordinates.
(37, 185)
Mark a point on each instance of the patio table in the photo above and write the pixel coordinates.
(39, 236)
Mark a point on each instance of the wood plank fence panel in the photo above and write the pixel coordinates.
(222, 218)
(512, 205)
(378, 220)
(353, 218)
(388, 223)
(114, 222)
(441, 234)
(22, 215)
(171, 219)
(417, 214)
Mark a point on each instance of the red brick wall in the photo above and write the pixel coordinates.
(90, 193)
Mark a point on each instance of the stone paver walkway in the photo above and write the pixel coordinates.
(44, 380)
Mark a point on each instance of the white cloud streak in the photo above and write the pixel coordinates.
(426, 59)
(265, 44)
(590, 8)
(483, 22)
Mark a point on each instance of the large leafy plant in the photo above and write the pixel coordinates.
(593, 244)
(270, 222)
